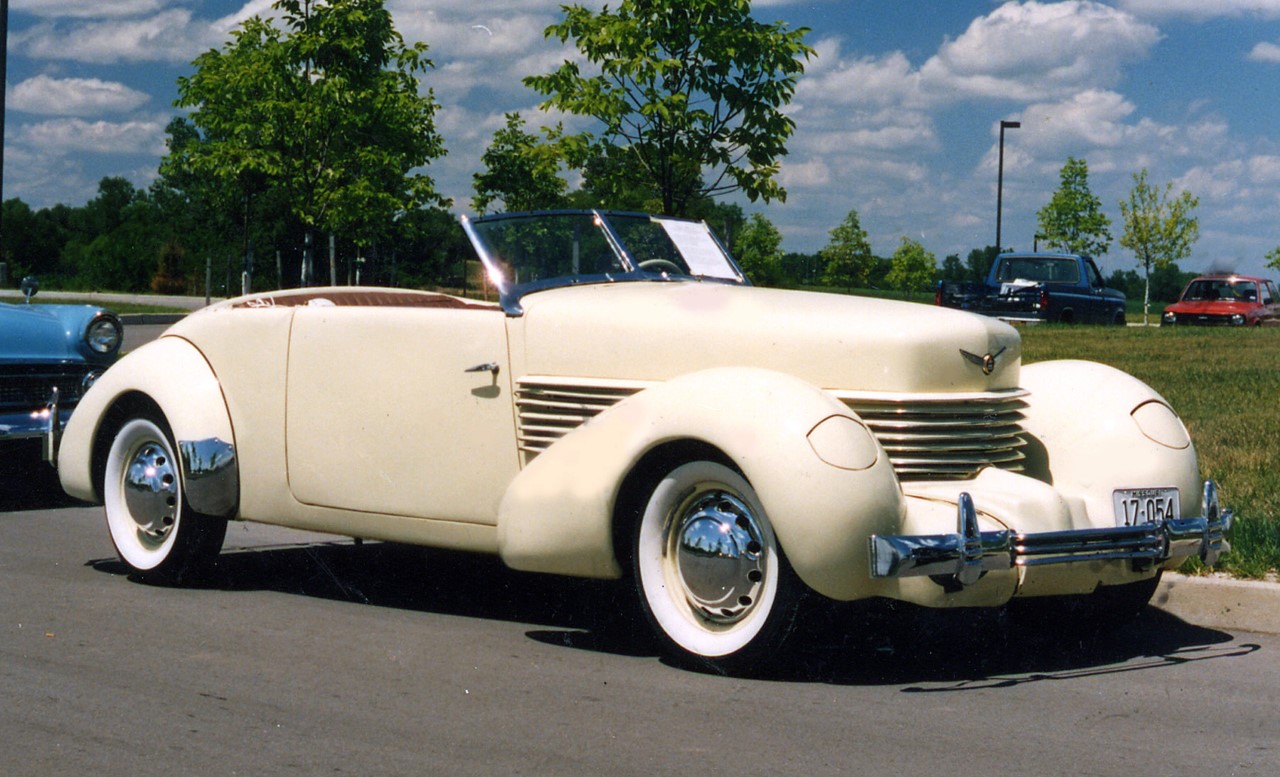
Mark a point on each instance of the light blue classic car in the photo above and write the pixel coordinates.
(49, 356)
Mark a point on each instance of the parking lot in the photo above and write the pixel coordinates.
(311, 654)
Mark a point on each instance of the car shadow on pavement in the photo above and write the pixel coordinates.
(881, 643)
(27, 483)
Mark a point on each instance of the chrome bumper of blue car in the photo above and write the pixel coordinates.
(965, 555)
(45, 423)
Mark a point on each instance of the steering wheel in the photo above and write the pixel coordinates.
(661, 265)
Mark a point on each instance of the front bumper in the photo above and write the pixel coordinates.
(45, 423)
(964, 556)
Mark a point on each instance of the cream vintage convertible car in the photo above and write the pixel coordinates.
(633, 407)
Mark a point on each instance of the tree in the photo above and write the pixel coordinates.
(520, 171)
(324, 109)
(1073, 220)
(1273, 256)
(979, 262)
(1158, 228)
(684, 88)
(953, 269)
(912, 268)
(758, 250)
(848, 255)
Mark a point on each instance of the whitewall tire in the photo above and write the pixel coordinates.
(712, 579)
(154, 530)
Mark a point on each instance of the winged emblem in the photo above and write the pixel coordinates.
(986, 361)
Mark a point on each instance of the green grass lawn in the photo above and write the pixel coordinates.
(1225, 383)
(119, 308)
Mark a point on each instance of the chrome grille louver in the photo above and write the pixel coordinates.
(549, 408)
(927, 436)
(945, 436)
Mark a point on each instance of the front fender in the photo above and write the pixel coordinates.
(557, 515)
(171, 373)
(1093, 429)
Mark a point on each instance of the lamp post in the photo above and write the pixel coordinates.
(1004, 125)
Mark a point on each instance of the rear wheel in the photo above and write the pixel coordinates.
(154, 530)
(711, 577)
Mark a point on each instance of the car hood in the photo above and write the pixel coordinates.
(1215, 307)
(656, 331)
(34, 333)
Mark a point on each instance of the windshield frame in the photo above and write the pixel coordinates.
(511, 293)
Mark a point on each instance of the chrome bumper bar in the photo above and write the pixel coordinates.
(45, 423)
(965, 555)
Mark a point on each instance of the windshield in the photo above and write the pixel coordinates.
(1229, 289)
(523, 252)
(1039, 269)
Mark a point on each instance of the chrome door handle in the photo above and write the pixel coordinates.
(491, 367)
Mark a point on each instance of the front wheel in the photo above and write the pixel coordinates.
(711, 577)
(152, 527)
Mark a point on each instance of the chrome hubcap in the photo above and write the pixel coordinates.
(718, 552)
(151, 492)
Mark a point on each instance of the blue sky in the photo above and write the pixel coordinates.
(897, 117)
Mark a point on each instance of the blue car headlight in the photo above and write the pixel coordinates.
(104, 334)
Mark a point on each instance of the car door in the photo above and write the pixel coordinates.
(1095, 300)
(402, 411)
(1271, 303)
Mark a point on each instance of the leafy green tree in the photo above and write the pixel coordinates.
(848, 255)
(1073, 220)
(521, 171)
(912, 268)
(979, 262)
(684, 89)
(1273, 256)
(33, 240)
(115, 239)
(1158, 228)
(800, 269)
(953, 269)
(324, 109)
(758, 250)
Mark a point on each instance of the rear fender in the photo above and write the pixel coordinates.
(558, 515)
(172, 375)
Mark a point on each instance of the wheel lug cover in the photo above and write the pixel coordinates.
(718, 556)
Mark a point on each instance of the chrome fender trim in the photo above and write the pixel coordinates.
(964, 555)
(211, 475)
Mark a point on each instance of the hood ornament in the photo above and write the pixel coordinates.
(987, 361)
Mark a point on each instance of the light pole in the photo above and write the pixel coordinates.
(1004, 125)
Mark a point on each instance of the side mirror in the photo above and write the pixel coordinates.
(29, 287)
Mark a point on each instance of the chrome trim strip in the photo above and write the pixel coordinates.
(964, 555)
(211, 475)
(53, 428)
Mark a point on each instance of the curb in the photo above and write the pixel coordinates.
(144, 319)
(1221, 602)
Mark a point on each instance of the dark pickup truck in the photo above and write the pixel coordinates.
(1038, 287)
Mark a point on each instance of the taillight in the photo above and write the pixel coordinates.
(1044, 299)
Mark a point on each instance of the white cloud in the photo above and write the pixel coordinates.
(73, 96)
(1034, 51)
(65, 136)
(170, 36)
(1265, 52)
(1203, 9)
(87, 9)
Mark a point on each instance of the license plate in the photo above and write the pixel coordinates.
(1136, 506)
